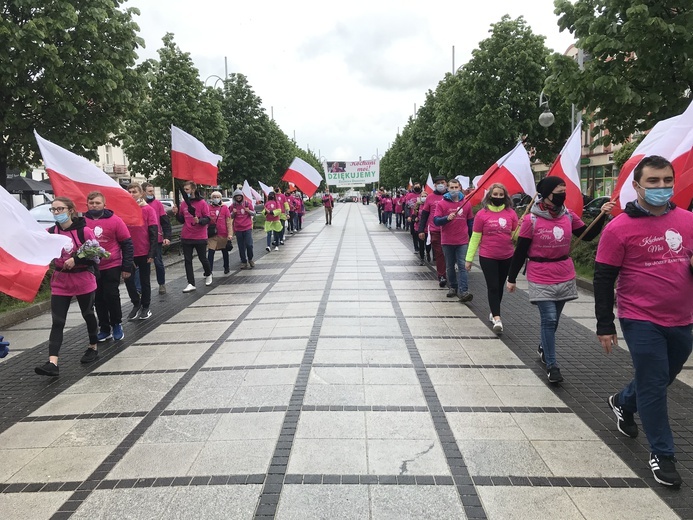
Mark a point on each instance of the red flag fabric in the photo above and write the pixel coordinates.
(191, 160)
(429, 188)
(304, 176)
(513, 170)
(566, 167)
(671, 139)
(26, 249)
(75, 177)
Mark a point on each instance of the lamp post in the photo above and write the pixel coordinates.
(217, 80)
(377, 157)
(546, 118)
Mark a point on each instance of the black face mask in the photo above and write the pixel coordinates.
(558, 199)
(497, 201)
(96, 213)
(417, 190)
(270, 196)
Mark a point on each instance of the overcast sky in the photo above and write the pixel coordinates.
(340, 76)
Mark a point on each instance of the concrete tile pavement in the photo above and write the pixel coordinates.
(335, 380)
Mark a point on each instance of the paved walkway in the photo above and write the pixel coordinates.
(335, 380)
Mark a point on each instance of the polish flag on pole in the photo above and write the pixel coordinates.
(464, 181)
(256, 196)
(512, 170)
(429, 188)
(566, 167)
(247, 191)
(190, 159)
(671, 139)
(304, 176)
(265, 189)
(26, 249)
(75, 177)
(410, 185)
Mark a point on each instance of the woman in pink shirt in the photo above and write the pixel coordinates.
(493, 229)
(387, 210)
(242, 213)
(545, 239)
(220, 221)
(73, 277)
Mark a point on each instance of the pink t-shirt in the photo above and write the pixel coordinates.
(160, 211)
(74, 282)
(550, 239)
(387, 204)
(192, 231)
(456, 231)
(654, 253)
(281, 200)
(140, 234)
(270, 207)
(109, 232)
(242, 221)
(430, 205)
(327, 201)
(399, 204)
(496, 229)
(218, 216)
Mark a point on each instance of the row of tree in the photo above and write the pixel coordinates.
(639, 71)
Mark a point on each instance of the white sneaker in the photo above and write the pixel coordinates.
(268, 249)
(276, 248)
(498, 326)
(189, 288)
(208, 280)
(490, 317)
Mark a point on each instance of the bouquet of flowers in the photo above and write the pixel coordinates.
(91, 250)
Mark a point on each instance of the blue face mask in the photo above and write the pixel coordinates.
(61, 218)
(440, 188)
(454, 193)
(658, 196)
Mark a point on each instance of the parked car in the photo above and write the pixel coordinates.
(168, 206)
(594, 208)
(521, 200)
(42, 215)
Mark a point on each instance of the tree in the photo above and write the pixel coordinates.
(491, 102)
(67, 69)
(639, 68)
(175, 96)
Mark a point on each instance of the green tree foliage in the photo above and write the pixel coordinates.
(640, 66)
(175, 96)
(67, 69)
(492, 101)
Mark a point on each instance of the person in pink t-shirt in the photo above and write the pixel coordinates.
(452, 215)
(144, 240)
(493, 228)
(73, 277)
(544, 238)
(220, 219)
(194, 215)
(114, 236)
(328, 204)
(648, 249)
(242, 213)
(428, 227)
(387, 210)
(164, 237)
(398, 202)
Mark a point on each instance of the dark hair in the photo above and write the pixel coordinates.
(653, 161)
(146, 185)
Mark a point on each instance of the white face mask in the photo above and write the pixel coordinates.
(216, 201)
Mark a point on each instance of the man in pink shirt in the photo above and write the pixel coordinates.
(452, 214)
(428, 226)
(655, 308)
(163, 237)
(328, 204)
(242, 213)
(144, 242)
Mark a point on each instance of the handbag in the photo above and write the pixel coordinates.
(212, 228)
(229, 245)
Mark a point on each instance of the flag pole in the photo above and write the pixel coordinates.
(529, 206)
(601, 215)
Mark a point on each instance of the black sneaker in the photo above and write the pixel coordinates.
(442, 281)
(466, 296)
(624, 420)
(664, 470)
(90, 355)
(540, 351)
(144, 313)
(452, 292)
(134, 313)
(554, 374)
(49, 369)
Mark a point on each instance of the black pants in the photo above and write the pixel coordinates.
(496, 273)
(107, 298)
(145, 269)
(399, 220)
(59, 307)
(199, 246)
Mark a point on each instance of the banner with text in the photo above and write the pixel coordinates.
(351, 174)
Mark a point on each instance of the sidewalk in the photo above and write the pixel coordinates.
(334, 380)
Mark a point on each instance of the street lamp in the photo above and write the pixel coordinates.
(217, 80)
(546, 118)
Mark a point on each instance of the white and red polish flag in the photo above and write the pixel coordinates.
(512, 170)
(256, 196)
(429, 187)
(247, 192)
(265, 189)
(75, 177)
(464, 181)
(410, 185)
(304, 176)
(26, 249)
(566, 167)
(190, 159)
(671, 139)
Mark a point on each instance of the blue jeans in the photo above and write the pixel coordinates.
(224, 255)
(269, 237)
(550, 313)
(658, 355)
(456, 255)
(245, 245)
